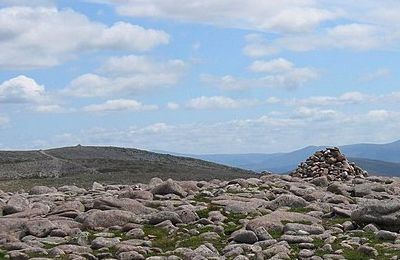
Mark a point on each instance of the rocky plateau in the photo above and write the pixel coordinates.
(317, 214)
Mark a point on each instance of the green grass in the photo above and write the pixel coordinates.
(300, 210)
(204, 212)
(304, 222)
(318, 242)
(201, 198)
(2, 255)
(162, 239)
(230, 227)
(275, 234)
(336, 220)
(354, 255)
(191, 242)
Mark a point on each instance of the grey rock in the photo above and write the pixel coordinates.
(108, 218)
(161, 216)
(15, 204)
(320, 181)
(169, 187)
(383, 213)
(371, 228)
(367, 250)
(310, 229)
(287, 200)
(386, 235)
(244, 236)
(38, 190)
(262, 234)
(39, 227)
(101, 242)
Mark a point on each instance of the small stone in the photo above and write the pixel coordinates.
(371, 228)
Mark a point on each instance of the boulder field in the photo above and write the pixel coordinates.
(265, 217)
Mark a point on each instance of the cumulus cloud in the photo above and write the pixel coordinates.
(32, 37)
(21, 89)
(216, 102)
(27, 93)
(127, 75)
(119, 105)
(278, 16)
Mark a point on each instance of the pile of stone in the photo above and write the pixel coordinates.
(330, 163)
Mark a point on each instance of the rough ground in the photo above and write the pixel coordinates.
(81, 165)
(270, 217)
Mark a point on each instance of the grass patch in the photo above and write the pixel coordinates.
(354, 255)
(335, 220)
(204, 212)
(201, 198)
(192, 242)
(300, 210)
(2, 255)
(304, 222)
(294, 252)
(318, 242)
(275, 234)
(230, 227)
(234, 217)
(161, 237)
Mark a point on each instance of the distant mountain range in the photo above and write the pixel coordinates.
(382, 159)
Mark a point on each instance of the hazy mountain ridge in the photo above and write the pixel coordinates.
(383, 159)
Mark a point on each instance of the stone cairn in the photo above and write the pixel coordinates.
(330, 163)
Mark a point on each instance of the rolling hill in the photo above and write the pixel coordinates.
(84, 164)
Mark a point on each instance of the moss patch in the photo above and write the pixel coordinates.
(300, 210)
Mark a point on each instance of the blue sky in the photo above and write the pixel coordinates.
(210, 76)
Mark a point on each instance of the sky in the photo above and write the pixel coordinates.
(199, 76)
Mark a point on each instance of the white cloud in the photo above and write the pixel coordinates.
(289, 77)
(279, 16)
(127, 75)
(21, 89)
(271, 66)
(32, 37)
(315, 114)
(49, 108)
(354, 36)
(26, 3)
(173, 106)
(219, 102)
(374, 75)
(381, 115)
(273, 132)
(119, 105)
(344, 99)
